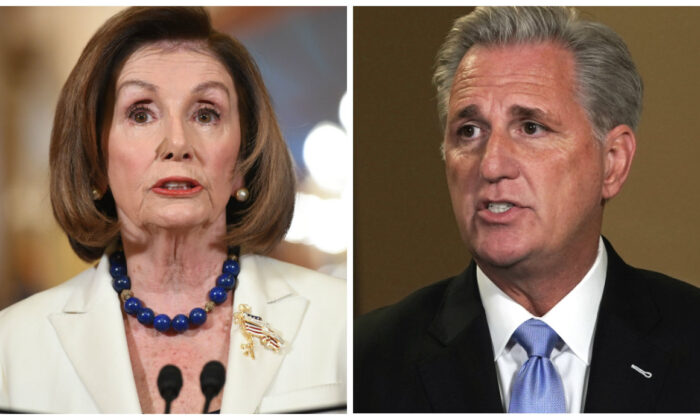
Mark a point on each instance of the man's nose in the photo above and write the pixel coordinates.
(177, 142)
(499, 160)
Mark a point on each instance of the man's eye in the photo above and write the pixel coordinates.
(469, 131)
(207, 116)
(532, 128)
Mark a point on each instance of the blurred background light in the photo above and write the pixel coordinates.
(322, 214)
(321, 222)
(345, 112)
(327, 156)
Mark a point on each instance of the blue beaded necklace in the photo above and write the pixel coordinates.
(180, 322)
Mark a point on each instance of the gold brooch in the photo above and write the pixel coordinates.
(254, 326)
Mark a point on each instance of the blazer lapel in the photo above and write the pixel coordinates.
(269, 296)
(626, 370)
(458, 370)
(91, 332)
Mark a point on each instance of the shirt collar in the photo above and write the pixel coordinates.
(573, 317)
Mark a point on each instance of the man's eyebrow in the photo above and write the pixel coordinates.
(526, 113)
(138, 83)
(211, 85)
(470, 112)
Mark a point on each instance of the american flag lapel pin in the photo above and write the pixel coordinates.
(254, 326)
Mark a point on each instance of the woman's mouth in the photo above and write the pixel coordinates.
(177, 187)
(173, 185)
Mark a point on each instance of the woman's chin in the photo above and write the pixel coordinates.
(181, 221)
(178, 225)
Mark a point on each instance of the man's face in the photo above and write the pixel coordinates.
(525, 173)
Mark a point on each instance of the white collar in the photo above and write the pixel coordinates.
(573, 317)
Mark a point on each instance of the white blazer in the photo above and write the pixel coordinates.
(64, 350)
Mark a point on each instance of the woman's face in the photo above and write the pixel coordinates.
(173, 139)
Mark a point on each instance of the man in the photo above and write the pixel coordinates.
(539, 111)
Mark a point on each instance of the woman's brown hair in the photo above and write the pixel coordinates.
(78, 161)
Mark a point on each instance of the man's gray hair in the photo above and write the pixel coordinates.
(609, 87)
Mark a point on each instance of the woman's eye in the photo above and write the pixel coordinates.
(207, 116)
(469, 131)
(140, 115)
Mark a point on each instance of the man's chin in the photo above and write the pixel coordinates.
(499, 255)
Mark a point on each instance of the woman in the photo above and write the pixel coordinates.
(166, 162)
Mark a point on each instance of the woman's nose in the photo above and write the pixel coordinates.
(176, 144)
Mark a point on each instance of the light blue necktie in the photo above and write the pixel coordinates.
(538, 387)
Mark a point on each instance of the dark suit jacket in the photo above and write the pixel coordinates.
(432, 351)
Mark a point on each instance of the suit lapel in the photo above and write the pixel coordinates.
(91, 332)
(270, 297)
(458, 370)
(627, 314)
(92, 320)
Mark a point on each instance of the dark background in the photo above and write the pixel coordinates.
(405, 233)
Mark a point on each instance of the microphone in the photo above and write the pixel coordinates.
(212, 380)
(169, 384)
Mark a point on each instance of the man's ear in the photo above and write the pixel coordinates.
(618, 151)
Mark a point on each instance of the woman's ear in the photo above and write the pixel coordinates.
(619, 147)
(238, 183)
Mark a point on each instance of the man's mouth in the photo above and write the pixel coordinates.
(499, 207)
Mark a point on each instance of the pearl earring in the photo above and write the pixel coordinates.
(242, 194)
(96, 194)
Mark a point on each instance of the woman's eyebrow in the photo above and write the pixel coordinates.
(138, 83)
(211, 85)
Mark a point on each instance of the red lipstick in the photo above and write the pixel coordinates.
(177, 187)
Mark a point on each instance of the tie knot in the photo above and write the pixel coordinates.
(536, 337)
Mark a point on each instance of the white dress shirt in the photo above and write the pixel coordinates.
(573, 318)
